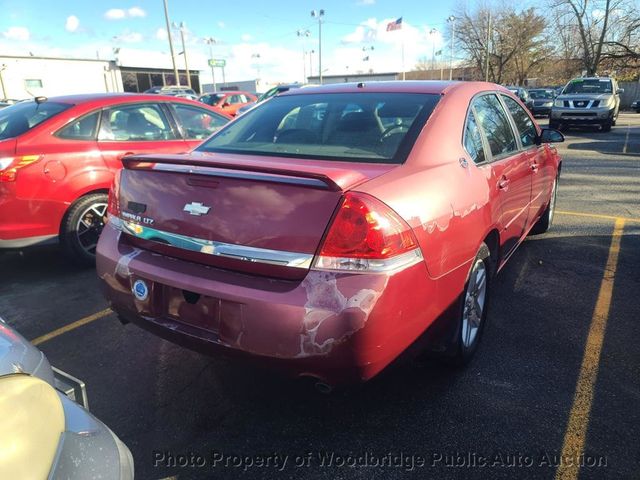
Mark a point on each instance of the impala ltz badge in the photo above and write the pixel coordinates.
(140, 290)
(196, 208)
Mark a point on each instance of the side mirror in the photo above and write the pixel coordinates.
(550, 135)
(225, 104)
(619, 91)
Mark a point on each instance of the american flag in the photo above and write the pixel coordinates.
(395, 25)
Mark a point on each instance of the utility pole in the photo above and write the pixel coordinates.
(486, 71)
(311, 52)
(181, 27)
(304, 34)
(211, 41)
(319, 14)
(173, 57)
(452, 20)
(433, 32)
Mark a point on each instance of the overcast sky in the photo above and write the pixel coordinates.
(243, 31)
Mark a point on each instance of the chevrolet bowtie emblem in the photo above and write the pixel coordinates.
(196, 208)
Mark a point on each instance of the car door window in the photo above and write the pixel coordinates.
(524, 124)
(197, 123)
(136, 123)
(473, 139)
(495, 124)
(84, 128)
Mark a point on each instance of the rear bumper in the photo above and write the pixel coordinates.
(335, 327)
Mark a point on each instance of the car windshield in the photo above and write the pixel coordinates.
(22, 117)
(540, 94)
(365, 127)
(591, 85)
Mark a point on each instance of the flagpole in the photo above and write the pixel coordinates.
(402, 42)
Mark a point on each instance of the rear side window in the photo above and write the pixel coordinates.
(495, 124)
(22, 117)
(145, 122)
(473, 140)
(85, 128)
(198, 123)
(365, 127)
(523, 122)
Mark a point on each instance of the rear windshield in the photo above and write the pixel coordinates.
(595, 85)
(22, 117)
(365, 127)
(540, 94)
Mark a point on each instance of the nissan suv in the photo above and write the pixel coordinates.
(587, 101)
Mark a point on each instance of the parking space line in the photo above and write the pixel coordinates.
(626, 140)
(71, 326)
(576, 432)
(596, 215)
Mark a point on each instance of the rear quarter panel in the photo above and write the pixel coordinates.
(450, 207)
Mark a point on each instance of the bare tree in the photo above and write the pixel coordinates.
(507, 42)
(606, 29)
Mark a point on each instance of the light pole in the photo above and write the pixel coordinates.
(173, 57)
(319, 14)
(257, 57)
(367, 49)
(433, 33)
(182, 27)
(211, 41)
(303, 34)
(452, 20)
(311, 52)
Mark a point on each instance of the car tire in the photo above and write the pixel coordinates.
(475, 296)
(606, 127)
(81, 228)
(546, 220)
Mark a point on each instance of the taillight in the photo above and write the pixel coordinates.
(9, 166)
(367, 235)
(113, 204)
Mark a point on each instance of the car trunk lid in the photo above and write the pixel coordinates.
(261, 215)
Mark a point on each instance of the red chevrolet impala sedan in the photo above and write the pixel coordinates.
(58, 157)
(328, 230)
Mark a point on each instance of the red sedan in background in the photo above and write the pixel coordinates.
(58, 157)
(331, 228)
(228, 102)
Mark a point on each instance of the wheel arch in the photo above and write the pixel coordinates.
(76, 200)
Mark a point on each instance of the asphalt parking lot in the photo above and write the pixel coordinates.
(564, 318)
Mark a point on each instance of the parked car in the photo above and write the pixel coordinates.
(523, 95)
(182, 92)
(229, 102)
(58, 157)
(333, 227)
(270, 93)
(587, 101)
(542, 101)
(636, 106)
(46, 430)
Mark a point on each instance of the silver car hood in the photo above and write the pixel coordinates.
(17, 355)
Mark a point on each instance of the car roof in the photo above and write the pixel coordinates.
(93, 100)
(397, 86)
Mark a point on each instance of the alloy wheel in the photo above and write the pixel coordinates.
(474, 303)
(89, 227)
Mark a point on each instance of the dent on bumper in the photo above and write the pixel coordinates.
(322, 325)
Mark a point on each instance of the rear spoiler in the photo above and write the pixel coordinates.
(214, 168)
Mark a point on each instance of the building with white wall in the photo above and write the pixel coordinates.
(25, 77)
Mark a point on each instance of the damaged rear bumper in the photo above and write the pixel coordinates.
(337, 327)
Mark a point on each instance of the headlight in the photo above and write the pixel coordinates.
(610, 102)
(558, 103)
